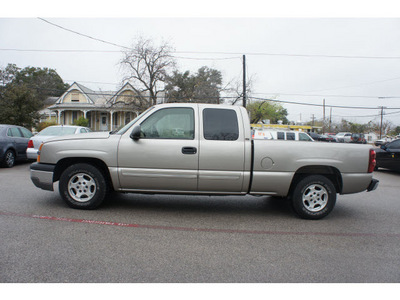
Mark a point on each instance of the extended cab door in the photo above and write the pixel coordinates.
(166, 156)
(224, 154)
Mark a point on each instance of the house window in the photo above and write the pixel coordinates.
(75, 97)
(74, 116)
(116, 119)
(127, 118)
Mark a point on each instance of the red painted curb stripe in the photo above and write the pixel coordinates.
(264, 232)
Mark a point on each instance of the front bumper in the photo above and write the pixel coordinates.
(42, 176)
(373, 185)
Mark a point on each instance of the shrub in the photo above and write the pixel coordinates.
(81, 121)
(43, 125)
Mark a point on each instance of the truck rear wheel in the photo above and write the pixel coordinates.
(314, 197)
(82, 186)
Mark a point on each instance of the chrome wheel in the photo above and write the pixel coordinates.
(315, 198)
(9, 159)
(82, 187)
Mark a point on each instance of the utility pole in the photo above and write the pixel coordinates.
(323, 120)
(330, 120)
(380, 131)
(244, 80)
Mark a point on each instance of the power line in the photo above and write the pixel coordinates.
(234, 53)
(61, 50)
(84, 35)
(318, 105)
(326, 96)
(107, 51)
(222, 97)
(293, 55)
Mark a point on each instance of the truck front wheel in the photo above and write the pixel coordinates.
(314, 197)
(82, 186)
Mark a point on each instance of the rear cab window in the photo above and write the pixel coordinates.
(220, 124)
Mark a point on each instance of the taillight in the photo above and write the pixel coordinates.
(372, 161)
(30, 144)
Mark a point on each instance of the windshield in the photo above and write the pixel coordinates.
(127, 126)
(57, 131)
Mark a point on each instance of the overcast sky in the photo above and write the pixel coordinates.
(352, 62)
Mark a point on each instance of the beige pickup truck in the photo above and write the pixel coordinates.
(201, 149)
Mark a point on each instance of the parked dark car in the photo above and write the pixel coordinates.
(13, 143)
(322, 137)
(388, 156)
(315, 136)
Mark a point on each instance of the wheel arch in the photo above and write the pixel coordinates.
(66, 162)
(332, 173)
(12, 148)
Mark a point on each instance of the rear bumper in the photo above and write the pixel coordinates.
(42, 176)
(373, 185)
(31, 153)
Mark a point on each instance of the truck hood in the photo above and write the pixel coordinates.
(81, 136)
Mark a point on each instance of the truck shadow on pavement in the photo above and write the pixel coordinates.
(243, 205)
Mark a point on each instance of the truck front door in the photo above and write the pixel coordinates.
(166, 156)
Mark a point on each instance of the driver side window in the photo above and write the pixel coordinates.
(394, 145)
(169, 123)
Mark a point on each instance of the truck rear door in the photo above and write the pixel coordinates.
(222, 150)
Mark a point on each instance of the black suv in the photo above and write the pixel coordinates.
(358, 138)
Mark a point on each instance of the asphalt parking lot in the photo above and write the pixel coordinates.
(152, 238)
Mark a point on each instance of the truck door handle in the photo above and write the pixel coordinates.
(189, 150)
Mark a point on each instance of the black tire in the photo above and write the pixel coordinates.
(9, 159)
(314, 197)
(82, 186)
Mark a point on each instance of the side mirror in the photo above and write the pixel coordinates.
(135, 134)
(383, 147)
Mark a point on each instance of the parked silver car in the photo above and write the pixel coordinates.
(49, 132)
(344, 137)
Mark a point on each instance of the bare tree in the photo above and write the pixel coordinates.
(234, 88)
(146, 67)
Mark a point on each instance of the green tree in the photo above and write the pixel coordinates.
(44, 81)
(23, 91)
(202, 87)
(263, 110)
(18, 106)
